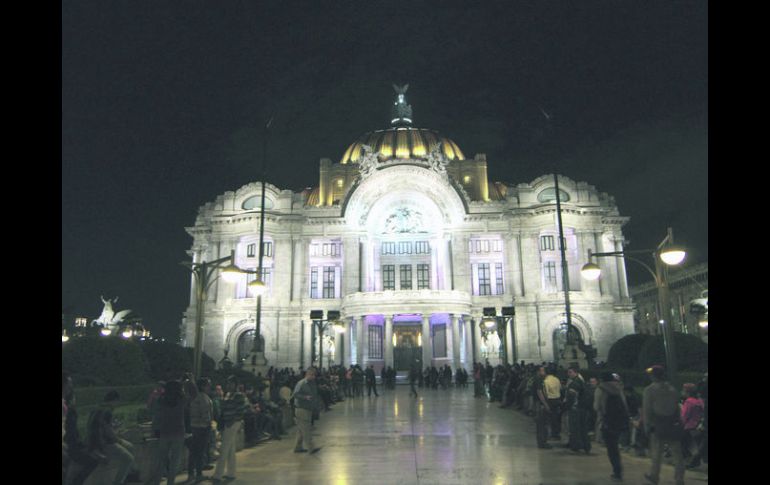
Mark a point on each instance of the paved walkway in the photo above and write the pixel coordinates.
(444, 437)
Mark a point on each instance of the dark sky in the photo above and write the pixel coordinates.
(163, 103)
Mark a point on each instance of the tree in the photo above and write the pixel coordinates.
(691, 352)
(624, 354)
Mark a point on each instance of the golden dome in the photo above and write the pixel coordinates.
(402, 143)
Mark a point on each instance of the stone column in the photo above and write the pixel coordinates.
(427, 342)
(388, 343)
(468, 342)
(360, 328)
(350, 270)
(477, 339)
(509, 339)
(455, 341)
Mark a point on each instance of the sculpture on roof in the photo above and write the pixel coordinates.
(401, 113)
(368, 162)
(436, 159)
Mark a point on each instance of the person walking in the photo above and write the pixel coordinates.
(413, 371)
(662, 423)
(233, 410)
(201, 415)
(306, 401)
(103, 438)
(371, 381)
(612, 409)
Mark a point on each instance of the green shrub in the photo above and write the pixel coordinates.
(624, 354)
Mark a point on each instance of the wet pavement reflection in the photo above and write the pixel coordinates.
(443, 437)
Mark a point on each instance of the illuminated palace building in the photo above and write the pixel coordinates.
(410, 242)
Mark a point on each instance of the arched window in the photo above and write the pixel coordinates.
(255, 203)
(549, 195)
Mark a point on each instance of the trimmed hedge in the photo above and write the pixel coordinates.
(106, 361)
(170, 361)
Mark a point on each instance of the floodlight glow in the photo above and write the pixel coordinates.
(231, 273)
(672, 255)
(591, 271)
(106, 331)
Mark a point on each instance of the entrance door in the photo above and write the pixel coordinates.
(407, 350)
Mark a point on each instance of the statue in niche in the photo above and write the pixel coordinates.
(108, 316)
(436, 159)
(367, 164)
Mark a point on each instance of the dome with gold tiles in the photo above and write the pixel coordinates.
(402, 142)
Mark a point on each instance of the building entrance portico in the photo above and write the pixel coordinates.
(407, 346)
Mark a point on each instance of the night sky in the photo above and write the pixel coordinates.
(163, 106)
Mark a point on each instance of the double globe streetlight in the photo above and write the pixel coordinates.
(666, 252)
(203, 275)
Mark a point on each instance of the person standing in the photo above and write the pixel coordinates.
(552, 386)
(233, 409)
(201, 415)
(306, 401)
(612, 409)
(371, 381)
(692, 416)
(662, 423)
(542, 408)
(170, 416)
(577, 415)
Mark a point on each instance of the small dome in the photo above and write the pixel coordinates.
(402, 143)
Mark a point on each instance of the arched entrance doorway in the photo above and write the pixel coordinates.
(569, 348)
(246, 345)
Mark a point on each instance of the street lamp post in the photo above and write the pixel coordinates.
(203, 273)
(258, 350)
(321, 325)
(666, 252)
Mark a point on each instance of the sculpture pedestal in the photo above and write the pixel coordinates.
(256, 362)
(573, 355)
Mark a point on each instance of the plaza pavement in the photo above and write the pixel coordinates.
(444, 437)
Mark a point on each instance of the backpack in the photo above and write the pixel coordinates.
(615, 414)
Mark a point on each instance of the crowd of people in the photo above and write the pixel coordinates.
(604, 410)
(205, 419)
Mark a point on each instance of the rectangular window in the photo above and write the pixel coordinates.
(497, 245)
(375, 342)
(500, 289)
(267, 276)
(328, 282)
(388, 277)
(546, 243)
(485, 245)
(423, 277)
(404, 247)
(485, 287)
(388, 248)
(314, 249)
(267, 249)
(251, 250)
(439, 340)
(422, 247)
(478, 246)
(405, 271)
(314, 282)
(549, 274)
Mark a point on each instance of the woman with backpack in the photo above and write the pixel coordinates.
(611, 407)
